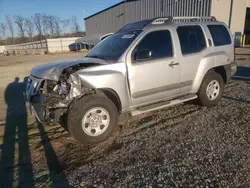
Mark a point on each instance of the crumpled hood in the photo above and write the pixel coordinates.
(52, 71)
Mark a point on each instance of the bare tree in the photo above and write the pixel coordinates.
(60, 26)
(10, 26)
(51, 24)
(29, 28)
(65, 25)
(45, 25)
(75, 25)
(3, 29)
(38, 27)
(20, 22)
(37, 20)
(57, 25)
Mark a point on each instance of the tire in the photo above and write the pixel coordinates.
(205, 96)
(92, 108)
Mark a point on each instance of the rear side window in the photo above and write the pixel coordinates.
(220, 35)
(192, 39)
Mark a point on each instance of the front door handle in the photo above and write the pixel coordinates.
(172, 64)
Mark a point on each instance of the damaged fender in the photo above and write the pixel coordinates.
(76, 87)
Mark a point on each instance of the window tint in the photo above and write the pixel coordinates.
(191, 38)
(159, 43)
(220, 35)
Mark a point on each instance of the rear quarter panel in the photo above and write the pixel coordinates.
(210, 61)
(220, 56)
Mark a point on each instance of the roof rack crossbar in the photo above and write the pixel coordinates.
(170, 19)
(161, 20)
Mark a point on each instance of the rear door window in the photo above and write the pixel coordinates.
(220, 35)
(192, 39)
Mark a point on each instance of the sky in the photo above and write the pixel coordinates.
(64, 9)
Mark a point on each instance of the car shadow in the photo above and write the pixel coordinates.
(15, 162)
(242, 74)
(237, 100)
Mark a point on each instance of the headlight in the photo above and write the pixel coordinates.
(60, 87)
(28, 83)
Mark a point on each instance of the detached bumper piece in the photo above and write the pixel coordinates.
(36, 111)
(37, 108)
(233, 68)
(46, 114)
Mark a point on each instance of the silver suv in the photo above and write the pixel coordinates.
(145, 66)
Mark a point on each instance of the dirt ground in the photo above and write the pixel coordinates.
(182, 146)
(20, 67)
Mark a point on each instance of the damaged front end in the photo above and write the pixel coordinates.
(58, 96)
(50, 99)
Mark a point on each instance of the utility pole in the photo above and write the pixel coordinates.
(230, 14)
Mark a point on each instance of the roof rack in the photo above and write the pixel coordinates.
(171, 19)
(164, 20)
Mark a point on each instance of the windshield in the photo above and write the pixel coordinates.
(113, 47)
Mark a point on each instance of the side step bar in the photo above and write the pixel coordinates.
(161, 105)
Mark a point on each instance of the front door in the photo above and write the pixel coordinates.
(153, 69)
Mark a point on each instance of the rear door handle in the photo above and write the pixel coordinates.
(172, 64)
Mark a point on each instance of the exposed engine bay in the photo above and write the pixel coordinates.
(66, 88)
(56, 96)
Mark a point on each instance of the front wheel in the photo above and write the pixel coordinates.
(92, 119)
(211, 89)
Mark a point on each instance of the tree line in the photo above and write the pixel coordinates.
(18, 29)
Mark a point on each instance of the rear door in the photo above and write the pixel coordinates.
(155, 75)
(222, 42)
(194, 47)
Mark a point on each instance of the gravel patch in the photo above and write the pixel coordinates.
(183, 146)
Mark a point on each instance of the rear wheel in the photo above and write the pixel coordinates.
(211, 89)
(92, 119)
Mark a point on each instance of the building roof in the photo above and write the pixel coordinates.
(122, 2)
(92, 39)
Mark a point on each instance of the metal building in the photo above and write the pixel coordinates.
(113, 18)
(233, 12)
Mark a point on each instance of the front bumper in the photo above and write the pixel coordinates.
(41, 105)
(36, 100)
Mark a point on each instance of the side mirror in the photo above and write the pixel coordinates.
(143, 55)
